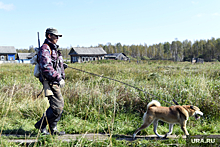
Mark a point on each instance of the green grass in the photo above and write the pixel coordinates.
(98, 105)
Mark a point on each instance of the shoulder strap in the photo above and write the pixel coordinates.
(49, 48)
(51, 53)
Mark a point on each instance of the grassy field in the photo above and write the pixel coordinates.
(98, 105)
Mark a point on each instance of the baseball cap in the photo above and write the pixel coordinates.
(53, 31)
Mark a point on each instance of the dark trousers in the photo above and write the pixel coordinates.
(54, 112)
(56, 101)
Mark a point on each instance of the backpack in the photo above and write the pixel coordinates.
(34, 61)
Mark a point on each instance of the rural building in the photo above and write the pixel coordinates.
(117, 56)
(24, 57)
(83, 54)
(197, 60)
(7, 53)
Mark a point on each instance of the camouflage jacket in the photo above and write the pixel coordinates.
(50, 62)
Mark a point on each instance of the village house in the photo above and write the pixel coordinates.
(117, 56)
(197, 60)
(83, 54)
(7, 53)
(24, 57)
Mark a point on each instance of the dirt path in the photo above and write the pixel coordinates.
(91, 137)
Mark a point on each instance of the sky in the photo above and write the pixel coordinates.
(88, 23)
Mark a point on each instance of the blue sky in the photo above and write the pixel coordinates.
(93, 22)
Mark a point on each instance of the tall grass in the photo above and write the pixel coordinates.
(98, 105)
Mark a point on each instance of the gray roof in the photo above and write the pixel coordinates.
(87, 51)
(25, 55)
(7, 50)
(114, 55)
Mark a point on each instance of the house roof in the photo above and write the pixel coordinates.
(25, 55)
(7, 50)
(114, 55)
(87, 51)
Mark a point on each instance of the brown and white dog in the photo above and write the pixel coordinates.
(172, 115)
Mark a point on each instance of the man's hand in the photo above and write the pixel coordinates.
(65, 65)
(62, 83)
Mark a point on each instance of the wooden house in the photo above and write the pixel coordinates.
(83, 54)
(7, 53)
(197, 60)
(24, 57)
(117, 56)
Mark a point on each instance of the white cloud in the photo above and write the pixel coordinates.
(7, 7)
(216, 14)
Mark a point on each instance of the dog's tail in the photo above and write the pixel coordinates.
(153, 103)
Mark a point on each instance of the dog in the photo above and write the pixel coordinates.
(172, 115)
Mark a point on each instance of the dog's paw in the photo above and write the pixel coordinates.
(133, 136)
(165, 136)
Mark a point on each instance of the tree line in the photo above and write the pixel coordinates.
(209, 50)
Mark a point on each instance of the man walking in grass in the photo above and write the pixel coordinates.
(52, 77)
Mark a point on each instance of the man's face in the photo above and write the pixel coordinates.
(53, 38)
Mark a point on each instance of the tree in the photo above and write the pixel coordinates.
(31, 49)
(118, 48)
(187, 47)
(145, 49)
(110, 48)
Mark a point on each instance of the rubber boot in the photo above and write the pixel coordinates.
(41, 125)
(54, 131)
(53, 126)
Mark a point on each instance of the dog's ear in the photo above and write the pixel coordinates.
(191, 107)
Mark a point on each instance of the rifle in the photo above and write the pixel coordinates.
(38, 40)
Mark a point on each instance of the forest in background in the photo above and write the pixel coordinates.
(208, 49)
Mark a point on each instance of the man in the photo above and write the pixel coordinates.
(52, 77)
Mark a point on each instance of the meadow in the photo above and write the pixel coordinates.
(98, 105)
